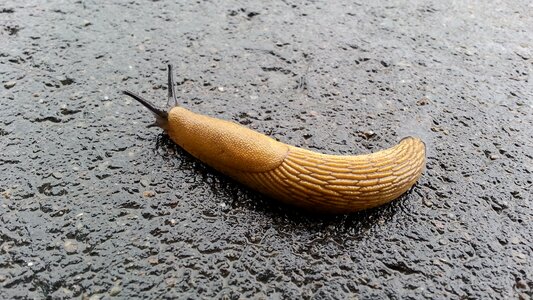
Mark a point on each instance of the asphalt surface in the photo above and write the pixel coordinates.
(96, 205)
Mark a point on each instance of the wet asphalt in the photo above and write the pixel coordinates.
(94, 204)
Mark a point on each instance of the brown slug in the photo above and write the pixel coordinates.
(300, 177)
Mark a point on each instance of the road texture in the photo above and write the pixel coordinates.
(94, 204)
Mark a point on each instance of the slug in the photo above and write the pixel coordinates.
(300, 177)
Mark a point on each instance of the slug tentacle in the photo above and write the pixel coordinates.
(315, 181)
(161, 117)
(171, 88)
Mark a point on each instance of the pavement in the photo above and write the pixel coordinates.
(94, 204)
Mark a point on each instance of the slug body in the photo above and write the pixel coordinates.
(304, 178)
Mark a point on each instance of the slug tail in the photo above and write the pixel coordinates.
(160, 115)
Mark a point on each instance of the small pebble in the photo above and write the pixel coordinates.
(10, 84)
(521, 284)
(6, 194)
(170, 281)
(149, 194)
(366, 134)
(70, 246)
(153, 260)
(221, 88)
(518, 254)
(115, 290)
(494, 157)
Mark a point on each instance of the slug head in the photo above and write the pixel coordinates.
(161, 116)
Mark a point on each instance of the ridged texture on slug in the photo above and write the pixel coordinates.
(320, 182)
(341, 184)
